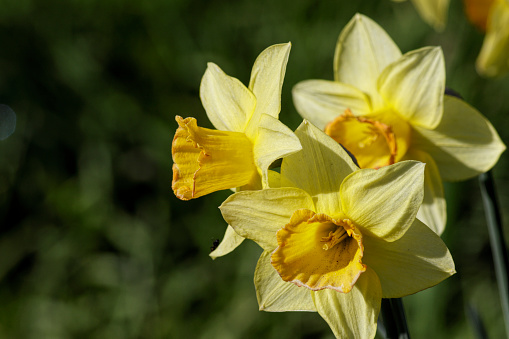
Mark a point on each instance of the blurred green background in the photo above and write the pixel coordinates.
(93, 243)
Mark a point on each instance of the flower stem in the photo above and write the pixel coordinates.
(393, 315)
(498, 247)
(476, 322)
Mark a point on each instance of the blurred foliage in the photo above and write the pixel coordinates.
(93, 243)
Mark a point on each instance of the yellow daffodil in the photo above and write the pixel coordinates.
(386, 107)
(434, 12)
(337, 238)
(248, 139)
(492, 17)
(249, 136)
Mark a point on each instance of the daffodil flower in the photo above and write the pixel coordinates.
(433, 12)
(337, 238)
(248, 139)
(386, 107)
(492, 17)
(249, 136)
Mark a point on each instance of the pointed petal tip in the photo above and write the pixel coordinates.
(358, 16)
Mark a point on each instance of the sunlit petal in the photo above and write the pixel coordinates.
(274, 141)
(276, 295)
(384, 202)
(319, 168)
(353, 314)
(267, 81)
(228, 103)
(433, 209)
(363, 50)
(416, 261)
(231, 241)
(463, 145)
(321, 101)
(414, 86)
(258, 215)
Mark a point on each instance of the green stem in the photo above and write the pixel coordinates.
(476, 322)
(393, 315)
(498, 248)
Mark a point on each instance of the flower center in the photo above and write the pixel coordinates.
(337, 236)
(317, 251)
(373, 142)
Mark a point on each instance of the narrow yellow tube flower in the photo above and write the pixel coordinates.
(236, 155)
(385, 107)
(336, 238)
(208, 160)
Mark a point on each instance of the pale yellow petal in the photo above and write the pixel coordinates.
(493, 60)
(258, 215)
(274, 141)
(274, 179)
(463, 145)
(231, 241)
(433, 210)
(267, 80)
(319, 168)
(434, 12)
(414, 86)
(384, 202)
(353, 314)
(363, 50)
(276, 295)
(414, 262)
(321, 101)
(228, 103)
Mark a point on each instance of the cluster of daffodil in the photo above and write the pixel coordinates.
(490, 16)
(338, 233)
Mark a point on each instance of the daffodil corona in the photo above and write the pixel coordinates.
(386, 107)
(317, 251)
(208, 160)
(337, 238)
